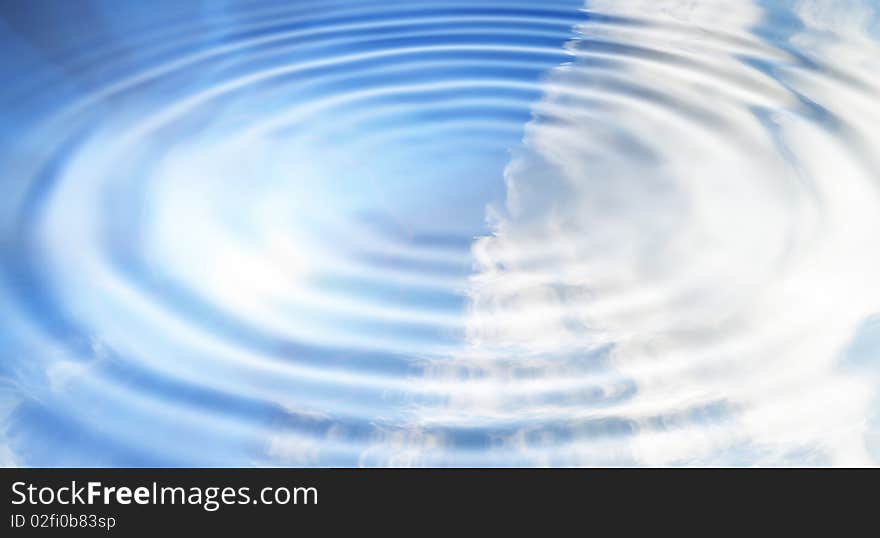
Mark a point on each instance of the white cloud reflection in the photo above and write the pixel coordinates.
(709, 209)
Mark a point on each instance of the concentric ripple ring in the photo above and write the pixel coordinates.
(442, 233)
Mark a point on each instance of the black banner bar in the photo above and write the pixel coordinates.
(121, 502)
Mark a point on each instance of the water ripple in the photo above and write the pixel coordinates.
(441, 233)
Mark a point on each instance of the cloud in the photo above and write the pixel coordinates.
(8, 402)
(709, 220)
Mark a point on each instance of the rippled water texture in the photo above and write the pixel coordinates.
(491, 233)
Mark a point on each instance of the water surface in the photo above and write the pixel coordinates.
(484, 233)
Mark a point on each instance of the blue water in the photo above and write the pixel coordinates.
(484, 233)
